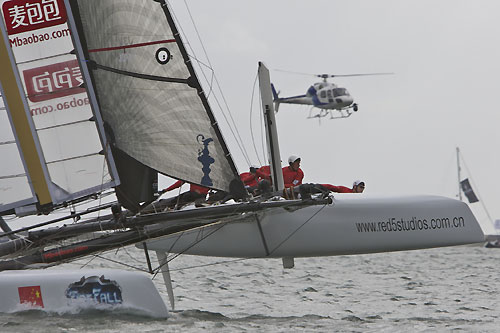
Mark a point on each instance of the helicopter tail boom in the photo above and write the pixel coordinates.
(300, 99)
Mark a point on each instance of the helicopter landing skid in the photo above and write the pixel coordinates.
(346, 113)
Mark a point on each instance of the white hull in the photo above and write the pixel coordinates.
(64, 291)
(353, 224)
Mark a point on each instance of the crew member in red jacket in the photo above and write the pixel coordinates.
(293, 174)
(357, 187)
(250, 179)
(264, 172)
(196, 193)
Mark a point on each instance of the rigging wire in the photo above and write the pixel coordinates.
(218, 226)
(211, 66)
(211, 264)
(231, 124)
(158, 269)
(198, 240)
(250, 122)
(122, 263)
(297, 229)
(100, 256)
(106, 151)
(92, 257)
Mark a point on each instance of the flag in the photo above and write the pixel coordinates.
(31, 295)
(469, 193)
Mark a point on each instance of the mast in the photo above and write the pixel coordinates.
(271, 131)
(458, 171)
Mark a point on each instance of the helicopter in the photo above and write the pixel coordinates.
(325, 96)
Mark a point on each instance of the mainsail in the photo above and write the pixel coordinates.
(148, 92)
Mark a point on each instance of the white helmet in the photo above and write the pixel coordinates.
(358, 182)
(293, 158)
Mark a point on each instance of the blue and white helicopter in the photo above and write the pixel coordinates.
(326, 96)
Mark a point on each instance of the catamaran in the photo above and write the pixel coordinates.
(101, 96)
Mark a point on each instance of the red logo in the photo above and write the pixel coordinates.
(53, 81)
(31, 295)
(22, 15)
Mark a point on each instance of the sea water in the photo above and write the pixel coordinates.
(435, 290)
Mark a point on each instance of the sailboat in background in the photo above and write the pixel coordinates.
(102, 97)
(465, 187)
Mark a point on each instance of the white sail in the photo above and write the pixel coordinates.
(149, 94)
(63, 126)
(15, 189)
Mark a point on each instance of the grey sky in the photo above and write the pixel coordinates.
(445, 57)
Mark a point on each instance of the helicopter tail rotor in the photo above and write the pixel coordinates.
(276, 98)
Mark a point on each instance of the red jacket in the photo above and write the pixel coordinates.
(264, 172)
(249, 179)
(193, 187)
(338, 189)
(292, 178)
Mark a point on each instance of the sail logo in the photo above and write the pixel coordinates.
(96, 289)
(21, 15)
(53, 81)
(31, 295)
(205, 159)
(163, 55)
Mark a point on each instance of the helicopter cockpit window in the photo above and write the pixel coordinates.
(340, 92)
(323, 94)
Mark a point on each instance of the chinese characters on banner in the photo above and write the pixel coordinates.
(41, 42)
(21, 15)
(53, 81)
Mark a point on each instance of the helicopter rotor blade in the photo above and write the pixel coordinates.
(326, 76)
(346, 75)
(292, 72)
